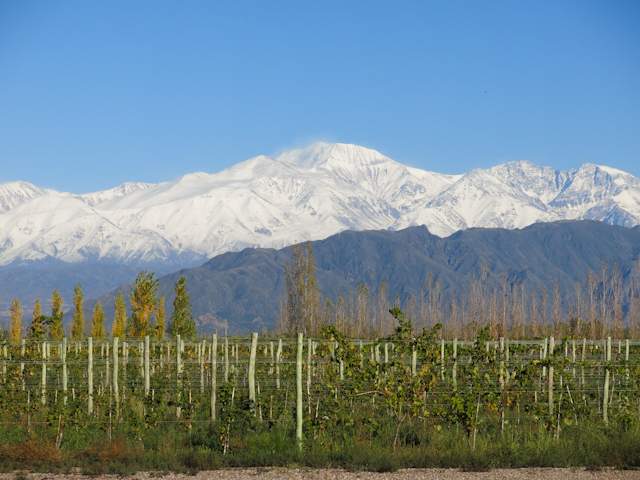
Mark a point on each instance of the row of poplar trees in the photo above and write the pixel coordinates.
(148, 316)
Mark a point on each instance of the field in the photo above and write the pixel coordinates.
(404, 401)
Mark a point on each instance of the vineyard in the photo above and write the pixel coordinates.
(391, 387)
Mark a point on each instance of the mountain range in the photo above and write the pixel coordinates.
(54, 239)
(242, 290)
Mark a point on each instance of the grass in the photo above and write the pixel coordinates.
(172, 447)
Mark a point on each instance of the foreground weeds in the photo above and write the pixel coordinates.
(169, 448)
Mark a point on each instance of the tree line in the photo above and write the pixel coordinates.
(600, 306)
(147, 315)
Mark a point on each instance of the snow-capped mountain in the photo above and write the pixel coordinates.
(301, 195)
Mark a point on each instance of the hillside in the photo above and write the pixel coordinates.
(52, 239)
(243, 288)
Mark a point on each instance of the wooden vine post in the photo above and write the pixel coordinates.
(299, 391)
(252, 373)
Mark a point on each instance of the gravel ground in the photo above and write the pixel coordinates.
(409, 474)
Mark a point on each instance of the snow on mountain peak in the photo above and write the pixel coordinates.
(13, 194)
(96, 198)
(321, 153)
(309, 193)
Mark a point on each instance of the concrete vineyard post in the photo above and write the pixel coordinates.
(107, 366)
(442, 358)
(299, 391)
(309, 344)
(414, 362)
(454, 370)
(605, 399)
(502, 379)
(626, 359)
(147, 377)
(278, 358)
(272, 370)
(252, 373)
(141, 346)
(544, 356)
(551, 348)
(226, 359)
(114, 380)
(44, 373)
(63, 354)
(125, 362)
(583, 359)
(178, 373)
(573, 358)
(22, 352)
(90, 374)
(202, 350)
(214, 375)
(236, 363)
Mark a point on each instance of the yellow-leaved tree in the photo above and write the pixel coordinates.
(37, 328)
(97, 323)
(120, 321)
(143, 304)
(56, 332)
(77, 327)
(182, 322)
(161, 319)
(16, 320)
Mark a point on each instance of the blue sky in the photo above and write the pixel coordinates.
(93, 94)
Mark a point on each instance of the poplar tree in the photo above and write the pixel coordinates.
(97, 323)
(37, 327)
(56, 332)
(302, 295)
(182, 322)
(77, 327)
(143, 304)
(16, 321)
(120, 321)
(161, 319)
(37, 308)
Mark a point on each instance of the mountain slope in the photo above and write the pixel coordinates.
(243, 288)
(304, 194)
